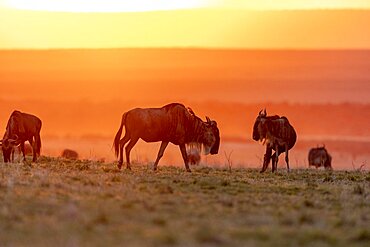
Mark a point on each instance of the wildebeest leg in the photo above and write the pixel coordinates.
(160, 154)
(275, 159)
(128, 148)
(122, 143)
(266, 158)
(287, 158)
(22, 150)
(329, 168)
(13, 151)
(34, 153)
(185, 157)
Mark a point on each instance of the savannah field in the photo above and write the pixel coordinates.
(57, 202)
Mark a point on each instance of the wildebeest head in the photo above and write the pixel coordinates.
(211, 137)
(259, 128)
(7, 146)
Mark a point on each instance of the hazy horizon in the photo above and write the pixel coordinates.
(245, 76)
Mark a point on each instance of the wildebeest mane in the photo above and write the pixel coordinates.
(15, 123)
(273, 117)
(171, 106)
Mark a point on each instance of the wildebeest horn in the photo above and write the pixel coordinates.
(262, 113)
(191, 111)
(12, 141)
(15, 140)
(208, 120)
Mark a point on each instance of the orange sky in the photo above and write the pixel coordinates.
(297, 24)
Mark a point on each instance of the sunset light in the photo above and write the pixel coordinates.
(184, 123)
(160, 5)
(104, 6)
(292, 4)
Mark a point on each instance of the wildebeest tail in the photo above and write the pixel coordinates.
(118, 135)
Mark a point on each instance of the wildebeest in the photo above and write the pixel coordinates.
(318, 157)
(22, 127)
(69, 154)
(277, 133)
(194, 156)
(172, 123)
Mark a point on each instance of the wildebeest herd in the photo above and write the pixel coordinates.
(172, 123)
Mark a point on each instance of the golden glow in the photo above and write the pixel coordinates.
(292, 4)
(186, 23)
(154, 5)
(104, 6)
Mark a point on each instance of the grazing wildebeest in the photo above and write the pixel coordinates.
(172, 123)
(277, 133)
(318, 157)
(22, 127)
(194, 156)
(69, 154)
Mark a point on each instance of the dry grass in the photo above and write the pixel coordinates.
(80, 203)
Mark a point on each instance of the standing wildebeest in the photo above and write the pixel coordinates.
(318, 157)
(22, 127)
(277, 133)
(171, 123)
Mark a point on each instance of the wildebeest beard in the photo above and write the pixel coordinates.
(258, 132)
(216, 146)
(207, 136)
(264, 131)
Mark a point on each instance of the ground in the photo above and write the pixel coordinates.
(58, 202)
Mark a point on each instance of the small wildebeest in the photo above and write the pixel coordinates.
(193, 156)
(69, 154)
(278, 135)
(21, 127)
(318, 157)
(172, 123)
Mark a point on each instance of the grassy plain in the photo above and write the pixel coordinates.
(57, 202)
